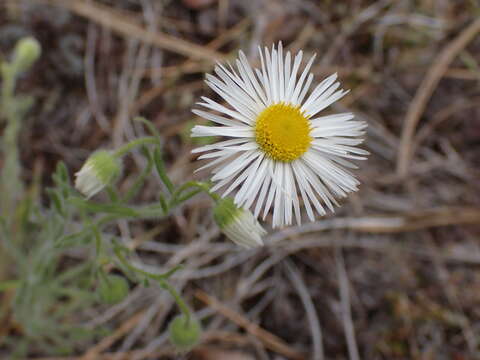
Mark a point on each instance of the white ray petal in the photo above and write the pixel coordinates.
(321, 191)
(273, 188)
(274, 76)
(305, 89)
(229, 131)
(293, 76)
(288, 197)
(241, 106)
(252, 78)
(299, 86)
(279, 207)
(213, 105)
(258, 181)
(263, 76)
(280, 72)
(286, 76)
(217, 118)
(216, 154)
(338, 180)
(252, 173)
(220, 145)
(302, 185)
(238, 180)
(239, 163)
(319, 90)
(265, 187)
(233, 94)
(233, 176)
(332, 119)
(314, 109)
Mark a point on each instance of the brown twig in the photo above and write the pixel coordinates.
(443, 115)
(410, 221)
(312, 316)
(269, 340)
(95, 351)
(425, 91)
(112, 19)
(346, 312)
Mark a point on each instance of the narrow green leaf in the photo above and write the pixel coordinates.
(150, 127)
(57, 201)
(114, 209)
(135, 188)
(160, 166)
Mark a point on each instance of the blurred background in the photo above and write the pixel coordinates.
(393, 274)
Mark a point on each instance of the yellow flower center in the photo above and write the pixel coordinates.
(283, 132)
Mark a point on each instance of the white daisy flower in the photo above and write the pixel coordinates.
(279, 147)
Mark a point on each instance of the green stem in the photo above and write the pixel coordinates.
(178, 299)
(9, 284)
(11, 168)
(161, 278)
(134, 143)
(112, 194)
(98, 241)
(163, 204)
(162, 172)
(138, 182)
(8, 85)
(157, 277)
(177, 197)
(188, 196)
(195, 184)
(157, 157)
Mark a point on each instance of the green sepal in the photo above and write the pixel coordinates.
(106, 166)
(225, 212)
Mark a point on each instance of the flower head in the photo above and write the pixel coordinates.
(238, 224)
(100, 169)
(27, 51)
(279, 148)
(184, 332)
(112, 288)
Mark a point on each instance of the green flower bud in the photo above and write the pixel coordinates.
(238, 224)
(27, 51)
(102, 168)
(184, 332)
(112, 288)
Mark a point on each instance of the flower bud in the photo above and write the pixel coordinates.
(112, 288)
(184, 332)
(238, 224)
(101, 169)
(27, 51)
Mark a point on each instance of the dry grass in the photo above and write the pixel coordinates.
(392, 275)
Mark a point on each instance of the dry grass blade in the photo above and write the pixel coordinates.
(111, 19)
(425, 91)
(269, 340)
(384, 224)
(93, 353)
(127, 355)
(348, 326)
(443, 115)
(178, 70)
(315, 329)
